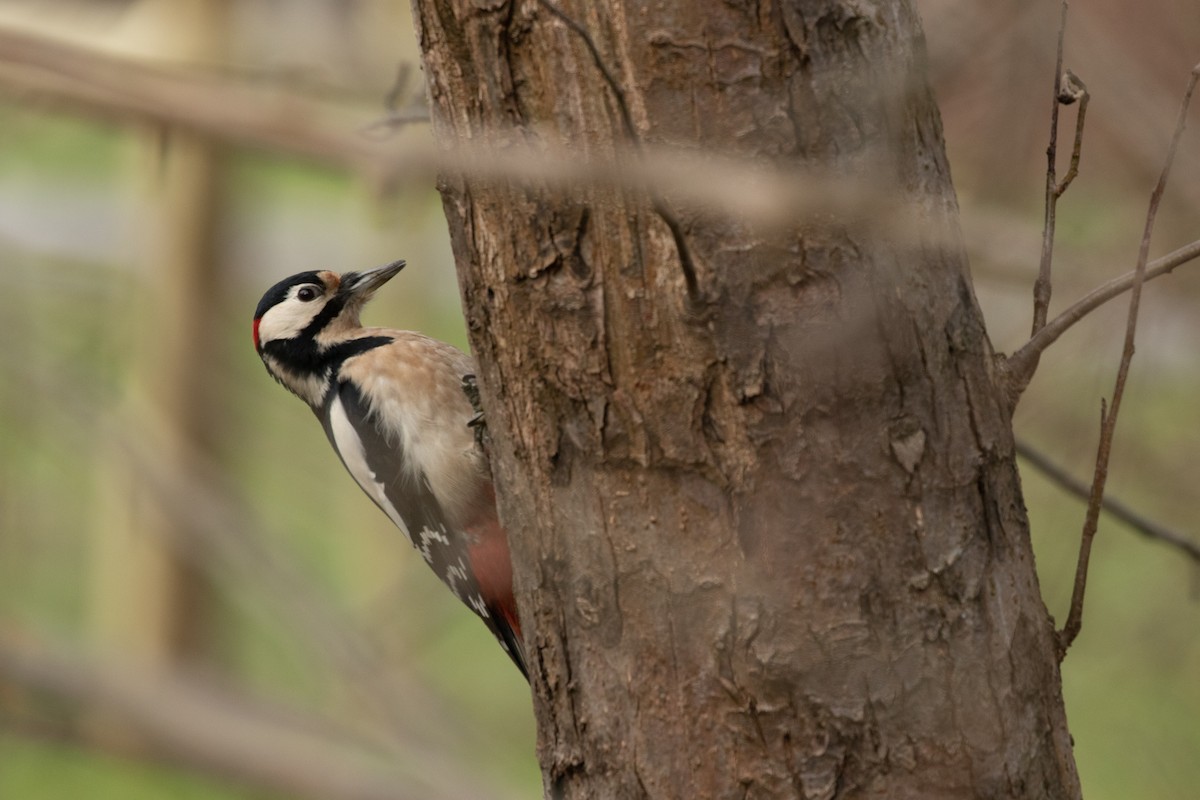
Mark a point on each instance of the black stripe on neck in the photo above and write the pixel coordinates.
(301, 354)
(343, 350)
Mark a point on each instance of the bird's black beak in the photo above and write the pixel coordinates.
(362, 284)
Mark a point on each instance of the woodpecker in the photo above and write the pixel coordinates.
(393, 406)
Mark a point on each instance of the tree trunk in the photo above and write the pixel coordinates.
(767, 528)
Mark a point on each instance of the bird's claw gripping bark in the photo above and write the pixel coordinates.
(478, 423)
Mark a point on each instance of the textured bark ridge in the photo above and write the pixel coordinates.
(769, 535)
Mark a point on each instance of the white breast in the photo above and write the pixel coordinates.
(354, 457)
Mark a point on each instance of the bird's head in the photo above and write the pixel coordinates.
(301, 318)
(310, 306)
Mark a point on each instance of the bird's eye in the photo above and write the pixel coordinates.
(306, 294)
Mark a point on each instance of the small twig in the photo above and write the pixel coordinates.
(1134, 519)
(1108, 415)
(383, 127)
(1073, 90)
(391, 100)
(1022, 363)
(1041, 287)
(397, 117)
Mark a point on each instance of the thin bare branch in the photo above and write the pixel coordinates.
(1136, 521)
(1041, 287)
(1108, 421)
(1022, 363)
(1068, 89)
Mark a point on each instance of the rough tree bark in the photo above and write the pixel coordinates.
(767, 528)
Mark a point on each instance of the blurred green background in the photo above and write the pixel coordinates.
(149, 521)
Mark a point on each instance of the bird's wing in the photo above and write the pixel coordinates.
(376, 460)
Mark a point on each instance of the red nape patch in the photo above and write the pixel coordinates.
(256, 347)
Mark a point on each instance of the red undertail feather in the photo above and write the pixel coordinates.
(492, 567)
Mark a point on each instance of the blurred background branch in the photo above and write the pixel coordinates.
(132, 710)
(224, 106)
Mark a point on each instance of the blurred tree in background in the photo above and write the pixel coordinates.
(179, 552)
